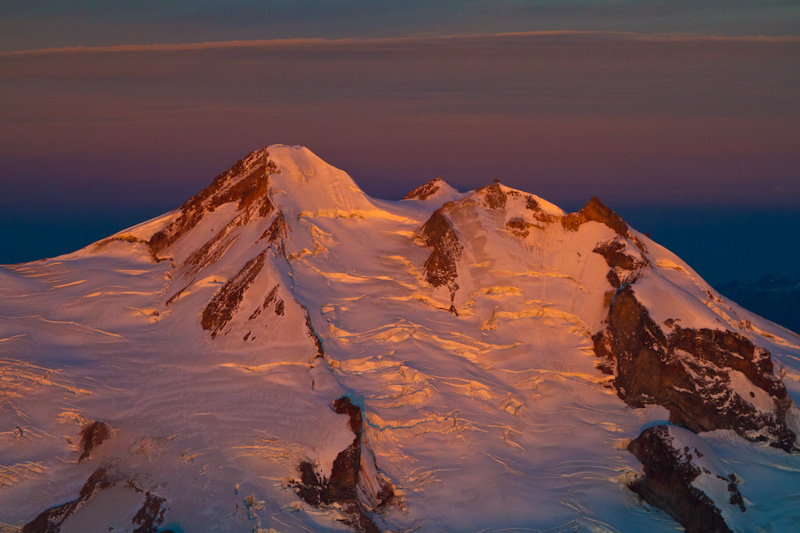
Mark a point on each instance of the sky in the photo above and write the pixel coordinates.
(30, 24)
(129, 108)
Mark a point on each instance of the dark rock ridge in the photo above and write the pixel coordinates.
(441, 266)
(689, 371)
(423, 192)
(313, 334)
(146, 519)
(50, 520)
(597, 211)
(276, 232)
(493, 195)
(213, 249)
(521, 227)
(614, 252)
(348, 485)
(151, 514)
(225, 303)
(625, 264)
(172, 299)
(92, 436)
(671, 467)
(273, 299)
(246, 182)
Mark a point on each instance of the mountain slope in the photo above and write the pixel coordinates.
(285, 352)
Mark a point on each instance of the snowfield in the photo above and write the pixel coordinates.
(214, 340)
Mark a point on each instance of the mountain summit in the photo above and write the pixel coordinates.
(285, 353)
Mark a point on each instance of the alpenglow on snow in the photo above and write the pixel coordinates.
(285, 353)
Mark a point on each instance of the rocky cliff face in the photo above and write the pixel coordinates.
(246, 184)
(349, 485)
(441, 268)
(144, 512)
(707, 379)
(689, 484)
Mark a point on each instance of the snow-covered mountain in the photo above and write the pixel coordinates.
(286, 353)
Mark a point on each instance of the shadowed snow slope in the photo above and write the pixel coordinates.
(497, 356)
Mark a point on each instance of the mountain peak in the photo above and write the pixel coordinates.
(499, 196)
(436, 188)
(305, 184)
(290, 179)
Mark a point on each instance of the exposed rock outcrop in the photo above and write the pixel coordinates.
(616, 254)
(496, 197)
(683, 477)
(174, 298)
(625, 261)
(92, 436)
(151, 513)
(247, 183)
(225, 303)
(276, 231)
(441, 266)
(493, 195)
(146, 519)
(313, 334)
(707, 379)
(213, 249)
(597, 211)
(423, 192)
(347, 485)
(520, 227)
(50, 521)
(272, 298)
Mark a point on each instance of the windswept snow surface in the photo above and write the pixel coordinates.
(493, 417)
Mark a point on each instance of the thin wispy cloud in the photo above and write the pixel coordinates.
(37, 25)
(412, 39)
